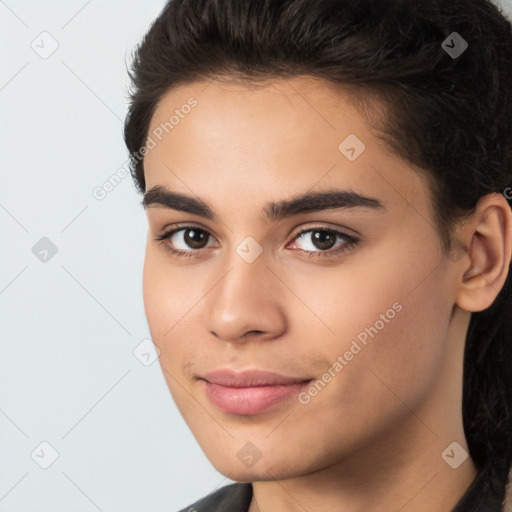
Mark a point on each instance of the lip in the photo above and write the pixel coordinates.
(251, 391)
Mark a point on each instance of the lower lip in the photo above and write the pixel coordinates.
(250, 400)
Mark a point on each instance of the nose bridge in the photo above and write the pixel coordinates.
(243, 300)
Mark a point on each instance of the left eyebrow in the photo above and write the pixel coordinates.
(273, 211)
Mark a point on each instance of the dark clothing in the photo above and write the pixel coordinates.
(231, 498)
(237, 498)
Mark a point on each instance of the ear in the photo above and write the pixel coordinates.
(487, 236)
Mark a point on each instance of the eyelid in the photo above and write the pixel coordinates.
(351, 241)
(296, 231)
(171, 229)
(341, 230)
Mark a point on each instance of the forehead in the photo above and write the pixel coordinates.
(266, 107)
(271, 138)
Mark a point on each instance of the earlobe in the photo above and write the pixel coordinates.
(488, 237)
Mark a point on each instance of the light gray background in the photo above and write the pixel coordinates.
(70, 324)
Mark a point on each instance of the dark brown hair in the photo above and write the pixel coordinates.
(451, 117)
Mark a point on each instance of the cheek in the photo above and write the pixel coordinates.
(154, 296)
(162, 294)
(390, 325)
(171, 301)
(169, 296)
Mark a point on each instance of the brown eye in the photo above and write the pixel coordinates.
(319, 240)
(195, 238)
(187, 240)
(323, 240)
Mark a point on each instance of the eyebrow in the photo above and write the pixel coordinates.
(272, 211)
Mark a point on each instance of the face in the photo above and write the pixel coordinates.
(345, 297)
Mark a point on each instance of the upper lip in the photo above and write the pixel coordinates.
(248, 378)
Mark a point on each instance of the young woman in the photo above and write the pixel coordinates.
(328, 188)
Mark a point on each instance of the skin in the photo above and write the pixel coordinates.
(372, 438)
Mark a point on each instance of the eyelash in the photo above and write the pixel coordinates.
(351, 242)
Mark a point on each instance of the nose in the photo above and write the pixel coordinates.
(246, 303)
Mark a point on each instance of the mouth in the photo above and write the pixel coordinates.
(250, 392)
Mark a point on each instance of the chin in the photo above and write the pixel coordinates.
(262, 469)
